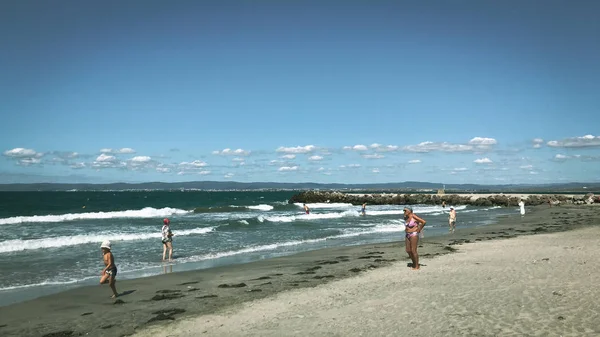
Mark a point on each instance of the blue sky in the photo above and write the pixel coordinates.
(295, 91)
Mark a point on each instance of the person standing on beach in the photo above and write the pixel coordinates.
(306, 209)
(109, 273)
(167, 239)
(452, 219)
(413, 226)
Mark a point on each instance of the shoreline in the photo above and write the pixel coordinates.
(164, 298)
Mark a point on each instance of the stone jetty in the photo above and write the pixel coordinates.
(499, 199)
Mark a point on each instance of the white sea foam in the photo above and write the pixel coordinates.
(311, 216)
(63, 241)
(48, 283)
(324, 205)
(147, 212)
(396, 226)
(261, 207)
(244, 222)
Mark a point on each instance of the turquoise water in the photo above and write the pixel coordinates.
(50, 241)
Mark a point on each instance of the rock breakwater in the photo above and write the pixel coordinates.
(435, 199)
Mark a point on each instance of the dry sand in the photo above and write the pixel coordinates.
(451, 295)
(543, 285)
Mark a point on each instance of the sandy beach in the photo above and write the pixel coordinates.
(493, 284)
(542, 285)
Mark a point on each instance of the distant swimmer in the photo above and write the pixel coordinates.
(306, 209)
(452, 219)
(109, 273)
(443, 204)
(364, 209)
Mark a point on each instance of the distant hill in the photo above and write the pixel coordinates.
(408, 186)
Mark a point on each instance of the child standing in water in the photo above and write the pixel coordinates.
(109, 273)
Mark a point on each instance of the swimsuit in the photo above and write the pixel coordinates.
(412, 223)
(112, 271)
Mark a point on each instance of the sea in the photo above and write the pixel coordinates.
(50, 241)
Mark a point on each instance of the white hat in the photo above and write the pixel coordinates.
(105, 244)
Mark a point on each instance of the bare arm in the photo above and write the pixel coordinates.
(420, 221)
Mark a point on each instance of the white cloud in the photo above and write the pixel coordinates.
(382, 148)
(526, 167)
(297, 149)
(29, 161)
(78, 166)
(483, 161)
(414, 161)
(228, 176)
(444, 147)
(321, 169)
(347, 148)
(359, 147)
(275, 162)
(532, 172)
(315, 158)
(461, 169)
(537, 146)
(104, 158)
(107, 161)
(194, 165)
(373, 156)
(287, 168)
(289, 156)
(20, 152)
(354, 165)
(237, 159)
(163, 169)
(375, 170)
(230, 152)
(560, 157)
(537, 143)
(476, 144)
(483, 141)
(203, 172)
(585, 141)
(125, 150)
(141, 159)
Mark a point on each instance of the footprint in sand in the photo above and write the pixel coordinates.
(233, 285)
(206, 296)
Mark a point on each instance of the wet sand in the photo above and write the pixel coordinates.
(339, 291)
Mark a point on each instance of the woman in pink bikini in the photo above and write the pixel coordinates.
(414, 225)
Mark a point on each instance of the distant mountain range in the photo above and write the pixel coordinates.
(408, 186)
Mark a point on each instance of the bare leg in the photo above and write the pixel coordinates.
(104, 278)
(112, 283)
(164, 251)
(408, 250)
(414, 241)
(170, 245)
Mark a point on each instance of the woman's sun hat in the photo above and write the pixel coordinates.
(105, 244)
